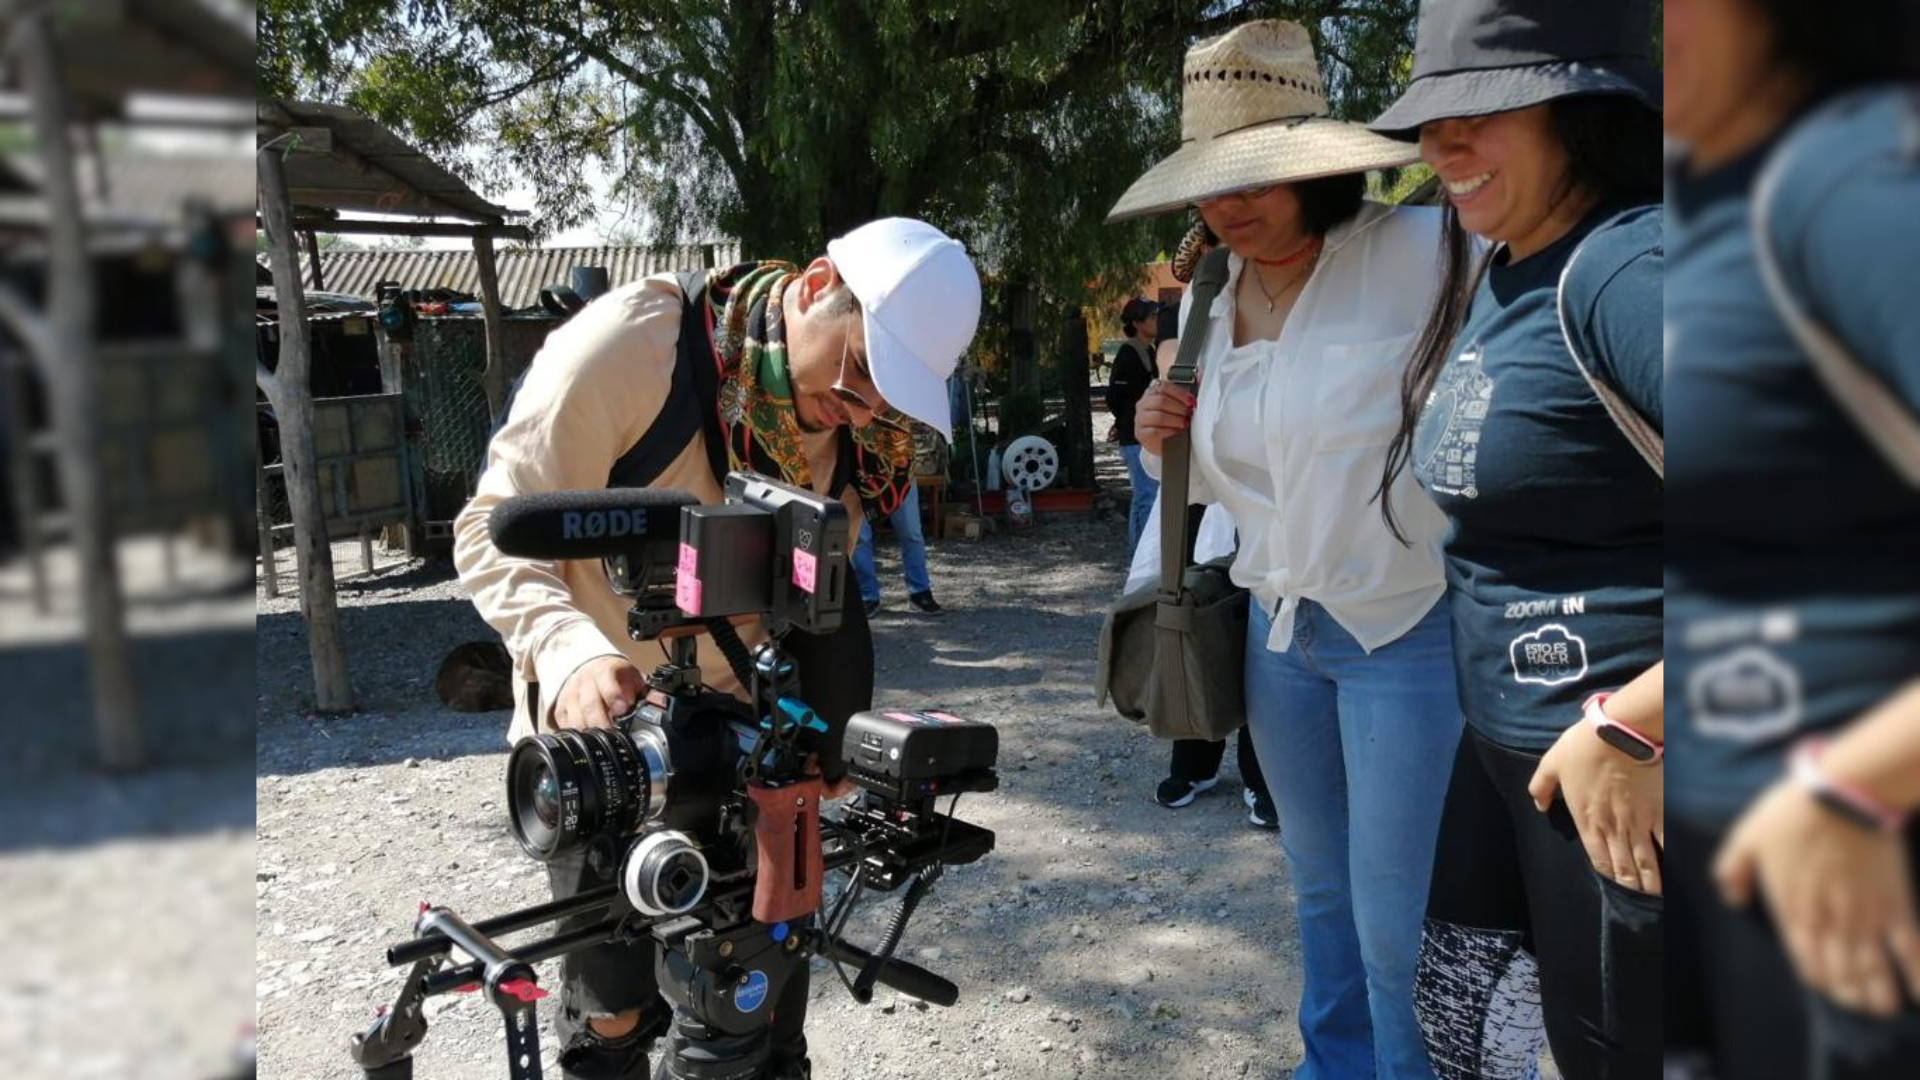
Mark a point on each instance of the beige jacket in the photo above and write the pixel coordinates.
(590, 394)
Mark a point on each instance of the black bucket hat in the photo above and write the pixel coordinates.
(1477, 57)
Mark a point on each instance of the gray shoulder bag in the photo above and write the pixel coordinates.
(1172, 653)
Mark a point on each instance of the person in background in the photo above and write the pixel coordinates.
(1132, 371)
(1541, 119)
(905, 521)
(1793, 523)
(1349, 675)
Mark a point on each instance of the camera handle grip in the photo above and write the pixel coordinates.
(910, 979)
(786, 833)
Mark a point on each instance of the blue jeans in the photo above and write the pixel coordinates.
(1357, 749)
(913, 551)
(1144, 489)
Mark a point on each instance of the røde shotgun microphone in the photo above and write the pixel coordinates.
(587, 524)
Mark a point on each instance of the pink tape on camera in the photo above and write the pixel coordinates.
(686, 586)
(806, 570)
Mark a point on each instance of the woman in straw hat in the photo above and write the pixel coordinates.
(1797, 188)
(1349, 679)
(1531, 413)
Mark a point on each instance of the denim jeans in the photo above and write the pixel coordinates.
(913, 551)
(1144, 489)
(1357, 749)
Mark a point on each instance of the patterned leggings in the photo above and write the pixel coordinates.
(1525, 943)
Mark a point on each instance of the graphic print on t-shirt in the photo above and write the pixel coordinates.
(1549, 656)
(1447, 444)
(1748, 695)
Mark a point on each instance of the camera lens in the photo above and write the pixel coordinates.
(664, 874)
(563, 789)
(546, 798)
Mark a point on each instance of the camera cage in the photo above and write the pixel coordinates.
(891, 835)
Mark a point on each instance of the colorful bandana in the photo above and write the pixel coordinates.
(747, 323)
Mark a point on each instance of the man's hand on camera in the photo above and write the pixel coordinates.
(598, 692)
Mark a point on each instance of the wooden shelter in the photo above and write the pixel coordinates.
(77, 67)
(319, 166)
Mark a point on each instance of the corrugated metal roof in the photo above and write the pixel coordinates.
(142, 189)
(523, 272)
(159, 186)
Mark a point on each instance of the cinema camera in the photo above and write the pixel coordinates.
(705, 809)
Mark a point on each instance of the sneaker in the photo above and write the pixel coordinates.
(1174, 793)
(1260, 810)
(926, 604)
(873, 608)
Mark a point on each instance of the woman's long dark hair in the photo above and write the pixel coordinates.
(1613, 156)
(1870, 41)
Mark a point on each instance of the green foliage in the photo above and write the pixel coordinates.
(1013, 124)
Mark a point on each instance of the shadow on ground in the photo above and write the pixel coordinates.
(196, 695)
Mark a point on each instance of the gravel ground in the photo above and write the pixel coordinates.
(1106, 937)
(127, 915)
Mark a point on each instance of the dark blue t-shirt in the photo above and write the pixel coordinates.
(1793, 547)
(1553, 550)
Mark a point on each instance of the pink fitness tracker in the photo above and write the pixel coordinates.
(1632, 743)
(1856, 805)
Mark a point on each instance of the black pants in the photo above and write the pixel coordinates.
(1735, 1010)
(1199, 759)
(1523, 938)
(836, 678)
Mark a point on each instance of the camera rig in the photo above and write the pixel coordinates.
(704, 809)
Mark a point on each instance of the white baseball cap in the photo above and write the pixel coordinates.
(920, 299)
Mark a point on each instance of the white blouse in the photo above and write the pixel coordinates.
(1291, 434)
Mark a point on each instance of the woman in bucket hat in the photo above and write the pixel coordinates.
(1531, 413)
(1794, 192)
(1349, 679)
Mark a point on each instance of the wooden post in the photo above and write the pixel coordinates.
(1074, 387)
(263, 521)
(313, 257)
(23, 458)
(496, 380)
(1023, 374)
(291, 392)
(70, 367)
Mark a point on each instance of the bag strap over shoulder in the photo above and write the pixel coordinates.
(1641, 435)
(1876, 410)
(692, 401)
(1176, 542)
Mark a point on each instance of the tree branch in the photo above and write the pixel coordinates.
(546, 73)
(719, 135)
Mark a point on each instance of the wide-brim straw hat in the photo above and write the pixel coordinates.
(1479, 57)
(1253, 112)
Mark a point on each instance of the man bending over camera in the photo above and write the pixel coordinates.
(799, 373)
